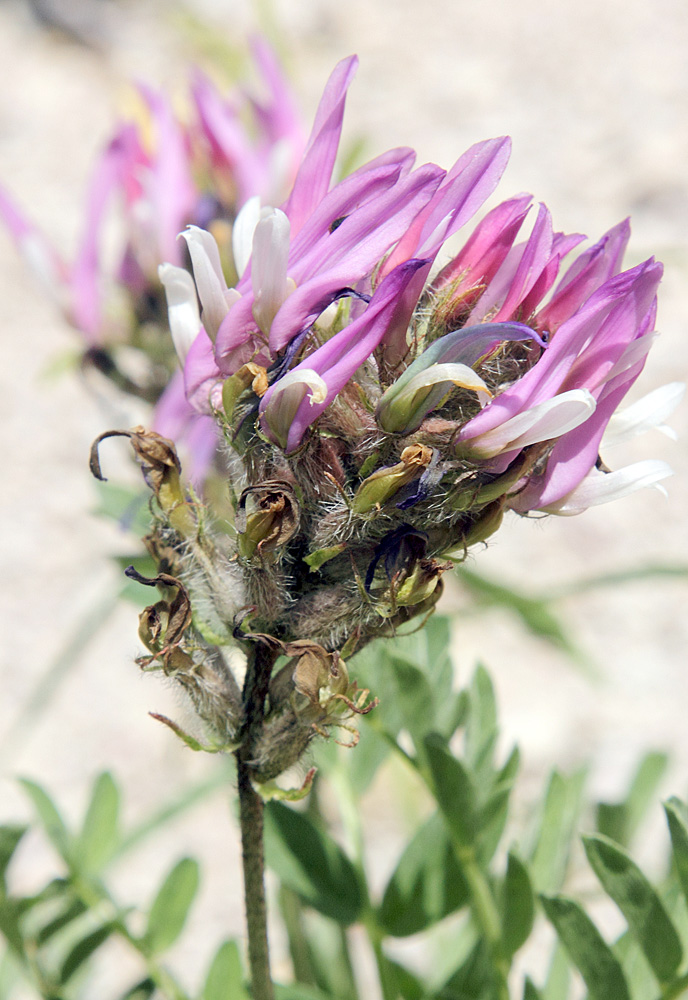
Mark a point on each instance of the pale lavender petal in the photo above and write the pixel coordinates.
(602, 359)
(313, 179)
(544, 421)
(182, 307)
(623, 299)
(173, 409)
(562, 245)
(215, 297)
(646, 413)
(280, 116)
(269, 266)
(85, 276)
(603, 487)
(242, 233)
(367, 236)
(367, 233)
(227, 138)
(470, 181)
(170, 187)
(200, 443)
(350, 195)
(196, 436)
(591, 269)
(201, 374)
(41, 257)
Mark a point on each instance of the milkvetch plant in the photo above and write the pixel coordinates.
(383, 408)
(374, 405)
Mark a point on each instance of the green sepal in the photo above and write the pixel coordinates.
(270, 791)
(318, 558)
(191, 741)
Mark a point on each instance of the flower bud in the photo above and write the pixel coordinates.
(378, 488)
(162, 625)
(161, 470)
(267, 518)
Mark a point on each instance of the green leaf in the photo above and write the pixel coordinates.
(371, 751)
(328, 962)
(558, 975)
(647, 919)
(49, 815)
(140, 991)
(453, 789)
(409, 986)
(9, 840)
(494, 810)
(518, 905)
(298, 992)
(9, 925)
(534, 612)
(551, 854)
(70, 912)
(9, 975)
(677, 818)
(307, 860)
(225, 980)
(413, 697)
(620, 820)
(427, 883)
(82, 951)
(642, 792)
(171, 905)
(587, 949)
(611, 819)
(413, 677)
(529, 990)
(98, 837)
(641, 980)
(474, 979)
(481, 724)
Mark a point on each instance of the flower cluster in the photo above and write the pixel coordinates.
(382, 411)
(158, 173)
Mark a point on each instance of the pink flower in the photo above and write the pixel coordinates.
(506, 370)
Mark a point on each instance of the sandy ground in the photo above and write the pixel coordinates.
(595, 96)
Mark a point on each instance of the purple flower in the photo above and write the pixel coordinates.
(153, 176)
(507, 369)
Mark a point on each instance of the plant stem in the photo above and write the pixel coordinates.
(675, 989)
(485, 914)
(258, 669)
(385, 972)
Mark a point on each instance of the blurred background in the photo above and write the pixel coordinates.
(595, 96)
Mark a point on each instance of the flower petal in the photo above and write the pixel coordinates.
(603, 487)
(339, 358)
(648, 412)
(296, 387)
(182, 307)
(242, 233)
(406, 409)
(542, 422)
(210, 281)
(313, 178)
(269, 266)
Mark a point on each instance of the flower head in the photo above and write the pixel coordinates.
(499, 361)
(384, 404)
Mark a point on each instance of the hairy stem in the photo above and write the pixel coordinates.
(258, 669)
